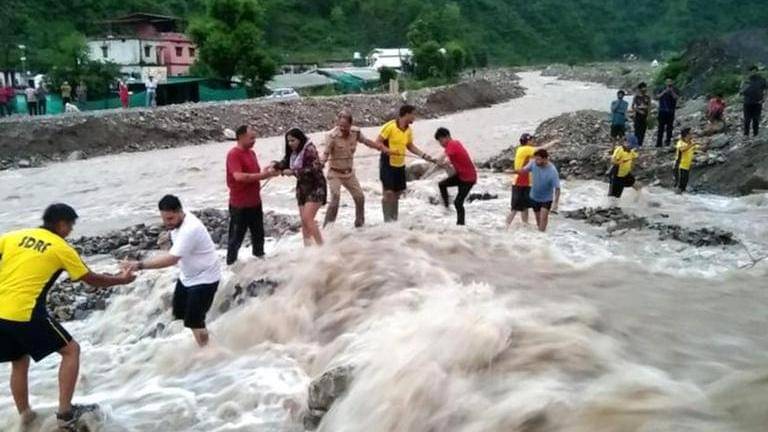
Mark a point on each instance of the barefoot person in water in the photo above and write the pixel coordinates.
(30, 262)
(194, 251)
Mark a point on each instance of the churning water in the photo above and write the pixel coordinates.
(448, 329)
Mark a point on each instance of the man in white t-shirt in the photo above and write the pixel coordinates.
(195, 253)
(151, 86)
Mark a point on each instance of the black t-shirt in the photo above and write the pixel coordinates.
(754, 93)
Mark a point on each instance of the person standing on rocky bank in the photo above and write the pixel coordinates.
(193, 249)
(641, 107)
(397, 136)
(339, 153)
(244, 178)
(66, 93)
(31, 261)
(619, 116)
(753, 91)
(667, 98)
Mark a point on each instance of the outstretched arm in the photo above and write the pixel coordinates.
(100, 280)
(549, 144)
(413, 148)
(158, 261)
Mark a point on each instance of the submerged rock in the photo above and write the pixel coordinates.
(323, 392)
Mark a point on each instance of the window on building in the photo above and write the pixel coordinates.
(105, 51)
(179, 51)
(191, 52)
(147, 51)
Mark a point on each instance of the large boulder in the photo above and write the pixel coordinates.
(323, 392)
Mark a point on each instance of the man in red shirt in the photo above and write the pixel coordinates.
(465, 175)
(244, 178)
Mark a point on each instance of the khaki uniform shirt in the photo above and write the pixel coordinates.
(341, 151)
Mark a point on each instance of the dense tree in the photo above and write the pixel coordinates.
(230, 42)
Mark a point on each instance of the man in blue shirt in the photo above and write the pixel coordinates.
(545, 191)
(619, 116)
(667, 98)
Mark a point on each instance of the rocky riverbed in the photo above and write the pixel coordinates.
(617, 221)
(32, 141)
(725, 164)
(69, 300)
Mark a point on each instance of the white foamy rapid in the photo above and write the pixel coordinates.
(448, 329)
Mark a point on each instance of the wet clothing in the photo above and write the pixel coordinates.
(341, 154)
(30, 262)
(523, 155)
(242, 220)
(538, 205)
(545, 180)
(462, 163)
(245, 211)
(194, 246)
(38, 338)
(352, 185)
(624, 160)
(192, 303)
(685, 156)
(305, 164)
(241, 194)
(397, 140)
(521, 198)
(392, 178)
(464, 188)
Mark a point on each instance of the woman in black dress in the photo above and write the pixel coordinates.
(303, 162)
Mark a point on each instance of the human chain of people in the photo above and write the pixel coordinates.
(31, 260)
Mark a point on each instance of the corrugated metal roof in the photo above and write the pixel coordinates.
(303, 80)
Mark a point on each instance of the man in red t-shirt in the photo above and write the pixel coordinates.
(244, 178)
(465, 175)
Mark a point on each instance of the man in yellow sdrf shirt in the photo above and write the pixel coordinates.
(397, 136)
(30, 262)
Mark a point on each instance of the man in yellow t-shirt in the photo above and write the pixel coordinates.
(623, 160)
(521, 185)
(686, 149)
(31, 261)
(397, 136)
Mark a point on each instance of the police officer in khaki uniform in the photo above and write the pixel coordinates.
(339, 154)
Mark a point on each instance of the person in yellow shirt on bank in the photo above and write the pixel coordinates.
(623, 161)
(31, 261)
(686, 149)
(397, 137)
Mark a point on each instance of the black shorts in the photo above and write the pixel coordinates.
(618, 131)
(537, 206)
(392, 178)
(38, 338)
(521, 199)
(192, 303)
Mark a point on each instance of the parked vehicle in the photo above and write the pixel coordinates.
(283, 94)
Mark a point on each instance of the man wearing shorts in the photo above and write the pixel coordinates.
(31, 260)
(521, 187)
(195, 252)
(545, 192)
(397, 136)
